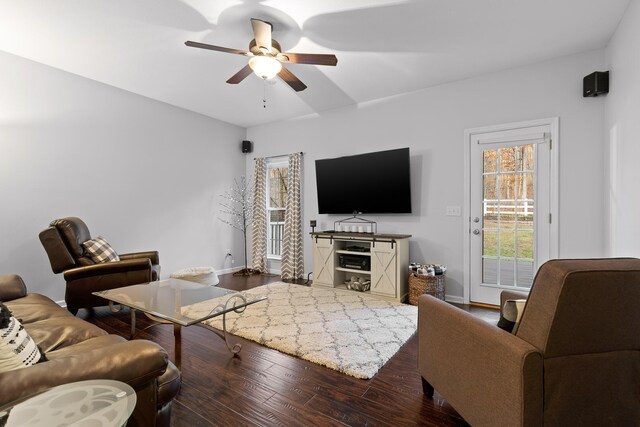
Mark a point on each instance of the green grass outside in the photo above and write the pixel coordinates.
(507, 241)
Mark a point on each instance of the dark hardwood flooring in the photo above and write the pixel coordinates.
(267, 388)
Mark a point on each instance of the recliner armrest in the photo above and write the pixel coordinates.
(12, 287)
(152, 255)
(107, 268)
(483, 371)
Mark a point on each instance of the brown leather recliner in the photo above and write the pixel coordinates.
(63, 243)
(574, 360)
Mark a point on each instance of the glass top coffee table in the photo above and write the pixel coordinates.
(165, 299)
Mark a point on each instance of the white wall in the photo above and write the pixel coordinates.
(622, 133)
(432, 122)
(145, 175)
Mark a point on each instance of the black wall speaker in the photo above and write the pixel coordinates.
(596, 83)
(247, 146)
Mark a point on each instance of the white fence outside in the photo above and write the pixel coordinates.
(521, 207)
(276, 231)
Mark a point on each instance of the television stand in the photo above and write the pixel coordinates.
(384, 258)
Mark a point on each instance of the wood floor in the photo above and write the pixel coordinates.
(267, 388)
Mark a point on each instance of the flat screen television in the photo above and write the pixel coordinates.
(370, 183)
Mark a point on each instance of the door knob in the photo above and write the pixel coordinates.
(476, 231)
(476, 219)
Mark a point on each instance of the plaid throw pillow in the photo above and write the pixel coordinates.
(100, 250)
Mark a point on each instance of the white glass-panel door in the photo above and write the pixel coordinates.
(510, 213)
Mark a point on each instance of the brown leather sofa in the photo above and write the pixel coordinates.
(77, 350)
(574, 360)
(63, 242)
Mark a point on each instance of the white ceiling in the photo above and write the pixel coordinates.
(384, 47)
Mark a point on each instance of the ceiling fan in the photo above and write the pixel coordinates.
(267, 57)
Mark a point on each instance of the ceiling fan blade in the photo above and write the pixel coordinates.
(240, 75)
(291, 80)
(213, 47)
(308, 58)
(262, 33)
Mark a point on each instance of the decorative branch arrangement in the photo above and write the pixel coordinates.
(237, 212)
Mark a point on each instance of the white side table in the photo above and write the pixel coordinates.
(82, 403)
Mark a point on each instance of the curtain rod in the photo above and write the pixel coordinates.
(281, 155)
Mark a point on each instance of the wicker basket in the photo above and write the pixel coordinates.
(432, 285)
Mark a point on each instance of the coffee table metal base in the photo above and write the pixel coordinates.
(231, 303)
(234, 348)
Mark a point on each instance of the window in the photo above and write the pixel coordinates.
(277, 171)
(509, 215)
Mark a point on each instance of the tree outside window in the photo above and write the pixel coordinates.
(509, 202)
(277, 171)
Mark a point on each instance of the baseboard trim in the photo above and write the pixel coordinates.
(479, 304)
(62, 303)
(454, 298)
(229, 270)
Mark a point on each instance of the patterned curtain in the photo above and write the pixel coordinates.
(259, 224)
(292, 262)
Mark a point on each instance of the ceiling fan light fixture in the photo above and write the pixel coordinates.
(265, 67)
(266, 57)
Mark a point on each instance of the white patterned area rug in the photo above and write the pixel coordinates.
(344, 330)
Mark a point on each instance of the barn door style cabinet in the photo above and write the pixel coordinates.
(381, 258)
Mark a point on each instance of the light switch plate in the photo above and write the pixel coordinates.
(453, 211)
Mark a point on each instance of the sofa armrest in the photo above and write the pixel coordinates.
(485, 373)
(136, 363)
(12, 287)
(154, 256)
(107, 268)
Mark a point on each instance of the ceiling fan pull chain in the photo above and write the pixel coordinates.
(264, 94)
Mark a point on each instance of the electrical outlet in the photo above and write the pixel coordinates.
(453, 211)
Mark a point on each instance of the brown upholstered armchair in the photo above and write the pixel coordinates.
(63, 243)
(574, 360)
